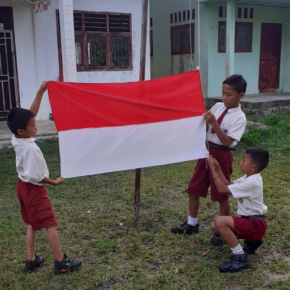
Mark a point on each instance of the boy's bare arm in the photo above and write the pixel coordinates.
(36, 103)
(220, 185)
(220, 173)
(52, 182)
(223, 137)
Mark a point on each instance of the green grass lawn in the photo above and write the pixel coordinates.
(95, 215)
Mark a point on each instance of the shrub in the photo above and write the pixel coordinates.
(274, 120)
(254, 136)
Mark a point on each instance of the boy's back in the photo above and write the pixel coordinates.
(249, 193)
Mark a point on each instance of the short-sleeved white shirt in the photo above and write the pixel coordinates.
(30, 163)
(249, 193)
(233, 124)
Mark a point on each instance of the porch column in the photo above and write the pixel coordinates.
(66, 18)
(230, 48)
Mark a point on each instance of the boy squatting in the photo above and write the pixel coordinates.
(226, 125)
(248, 190)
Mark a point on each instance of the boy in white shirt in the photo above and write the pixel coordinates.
(226, 124)
(248, 190)
(36, 210)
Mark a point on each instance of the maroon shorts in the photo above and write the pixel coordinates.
(35, 206)
(202, 179)
(250, 229)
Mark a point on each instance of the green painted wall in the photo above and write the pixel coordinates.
(213, 63)
(247, 64)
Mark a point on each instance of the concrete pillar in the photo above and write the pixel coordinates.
(66, 18)
(230, 49)
(40, 32)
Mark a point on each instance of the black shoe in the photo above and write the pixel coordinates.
(251, 246)
(236, 264)
(186, 229)
(65, 265)
(216, 240)
(31, 266)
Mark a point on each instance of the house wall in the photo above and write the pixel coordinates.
(37, 49)
(162, 62)
(25, 50)
(247, 64)
(285, 55)
(213, 64)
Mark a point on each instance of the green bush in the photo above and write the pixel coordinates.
(274, 120)
(255, 136)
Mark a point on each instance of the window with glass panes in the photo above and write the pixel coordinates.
(102, 41)
(243, 36)
(180, 39)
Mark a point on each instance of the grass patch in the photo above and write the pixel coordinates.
(95, 215)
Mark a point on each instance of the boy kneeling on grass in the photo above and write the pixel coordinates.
(251, 224)
(36, 210)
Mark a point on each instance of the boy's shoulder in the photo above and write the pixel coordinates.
(24, 144)
(252, 181)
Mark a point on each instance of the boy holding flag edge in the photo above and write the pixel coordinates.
(248, 190)
(226, 125)
(36, 210)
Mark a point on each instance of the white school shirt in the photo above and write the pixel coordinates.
(233, 124)
(249, 193)
(30, 163)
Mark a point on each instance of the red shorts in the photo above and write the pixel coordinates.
(202, 179)
(250, 229)
(35, 206)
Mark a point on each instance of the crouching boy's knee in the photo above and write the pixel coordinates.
(218, 222)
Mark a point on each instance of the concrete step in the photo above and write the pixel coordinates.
(260, 104)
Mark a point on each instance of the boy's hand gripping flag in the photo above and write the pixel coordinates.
(120, 126)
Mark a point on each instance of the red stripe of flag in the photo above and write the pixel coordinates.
(79, 105)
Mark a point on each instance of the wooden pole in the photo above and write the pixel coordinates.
(141, 78)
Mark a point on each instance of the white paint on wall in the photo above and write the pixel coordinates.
(37, 49)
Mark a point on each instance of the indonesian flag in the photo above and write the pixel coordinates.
(120, 126)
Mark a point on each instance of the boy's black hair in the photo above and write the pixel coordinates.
(18, 118)
(238, 82)
(259, 156)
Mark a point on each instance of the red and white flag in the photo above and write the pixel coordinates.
(112, 127)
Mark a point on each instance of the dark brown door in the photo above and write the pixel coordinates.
(8, 78)
(270, 55)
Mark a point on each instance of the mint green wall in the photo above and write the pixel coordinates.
(285, 56)
(247, 64)
(162, 63)
(213, 63)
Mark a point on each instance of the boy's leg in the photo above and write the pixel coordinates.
(216, 239)
(193, 205)
(33, 261)
(225, 159)
(30, 243)
(54, 242)
(224, 207)
(224, 225)
(198, 187)
(62, 264)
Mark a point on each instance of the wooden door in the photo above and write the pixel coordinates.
(270, 57)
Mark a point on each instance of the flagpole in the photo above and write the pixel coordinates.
(141, 78)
